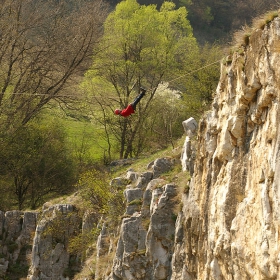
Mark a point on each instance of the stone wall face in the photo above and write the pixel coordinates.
(37, 245)
(145, 245)
(50, 257)
(229, 224)
(17, 230)
(229, 227)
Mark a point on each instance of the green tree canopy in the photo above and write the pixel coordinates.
(141, 46)
(200, 87)
(34, 164)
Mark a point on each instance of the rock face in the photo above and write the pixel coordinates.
(16, 235)
(50, 258)
(38, 244)
(188, 151)
(145, 245)
(229, 226)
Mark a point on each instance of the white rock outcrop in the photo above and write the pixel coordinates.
(16, 236)
(145, 245)
(50, 257)
(188, 151)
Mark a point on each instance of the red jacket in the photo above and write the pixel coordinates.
(127, 111)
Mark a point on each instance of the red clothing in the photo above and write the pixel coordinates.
(127, 111)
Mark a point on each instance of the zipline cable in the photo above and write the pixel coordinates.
(194, 71)
(151, 89)
(189, 73)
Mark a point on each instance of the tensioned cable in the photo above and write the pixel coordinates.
(177, 78)
(194, 71)
(191, 72)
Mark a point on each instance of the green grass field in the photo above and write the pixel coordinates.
(86, 140)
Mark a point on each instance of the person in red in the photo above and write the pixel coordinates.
(130, 109)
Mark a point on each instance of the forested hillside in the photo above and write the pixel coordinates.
(45, 47)
(65, 66)
(217, 20)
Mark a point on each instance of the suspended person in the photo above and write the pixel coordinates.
(130, 109)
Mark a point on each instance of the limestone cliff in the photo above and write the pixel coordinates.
(16, 234)
(229, 226)
(50, 258)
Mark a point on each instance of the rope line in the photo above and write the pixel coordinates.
(45, 94)
(194, 71)
(189, 73)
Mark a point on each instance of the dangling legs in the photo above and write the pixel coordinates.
(138, 98)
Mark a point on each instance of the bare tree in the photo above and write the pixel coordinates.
(45, 46)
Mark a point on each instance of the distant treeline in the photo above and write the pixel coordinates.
(217, 20)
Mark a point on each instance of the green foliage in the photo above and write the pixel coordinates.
(166, 114)
(85, 139)
(82, 241)
(44, 49)
(136, 202)
(17, 270)
(140, 46)
(94, 189)
(34, 163)
(99, 197)
(201, 86)
(34, 71)
(146, 223)
(12, 246)
(58, 227)
(216, 20)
